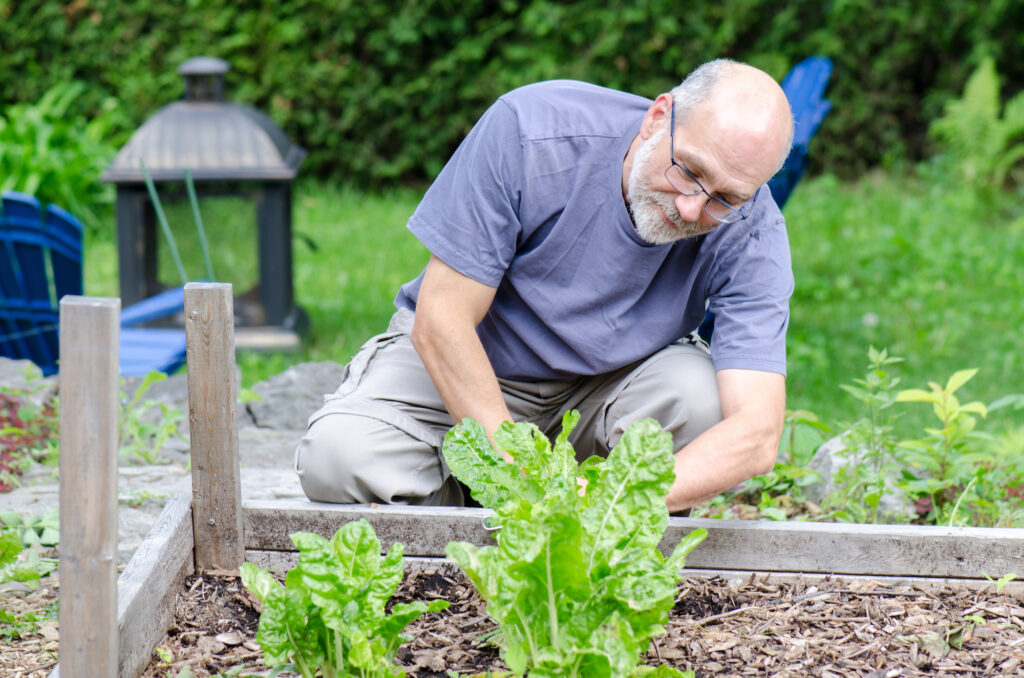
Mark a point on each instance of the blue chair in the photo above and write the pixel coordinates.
(40, 262)
(804, 86)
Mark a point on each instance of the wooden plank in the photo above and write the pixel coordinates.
(213, 426)
(282, 561)
(766, 546)
(893, 550)
(149, 586)
(423, 529)
(88, 486)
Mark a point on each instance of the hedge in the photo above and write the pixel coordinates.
(380, 92)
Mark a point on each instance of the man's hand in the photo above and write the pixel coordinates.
(449, 307)
(741, 446)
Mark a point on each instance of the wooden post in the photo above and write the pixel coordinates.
(213, 426)
(88, 486)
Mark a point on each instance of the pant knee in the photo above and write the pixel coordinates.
(351, 458)
(678, 389)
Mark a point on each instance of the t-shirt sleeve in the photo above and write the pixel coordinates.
(749, 296)
(469, 218)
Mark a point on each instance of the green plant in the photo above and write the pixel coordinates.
(142, 435)
(50, 150)
(28, 430)
(21, 545)
(15, 626)
(576, 582)
(988, 145)
(42, 528)
(966, 475)
(329, 615)
(870, 445)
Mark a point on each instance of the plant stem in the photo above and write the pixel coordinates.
(552, 606)
(952, 514)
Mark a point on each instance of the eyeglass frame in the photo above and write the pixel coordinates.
(672, 157)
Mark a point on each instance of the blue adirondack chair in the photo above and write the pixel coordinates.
(804, 86)
(40, 262)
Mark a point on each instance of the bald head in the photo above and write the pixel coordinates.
(740, 105)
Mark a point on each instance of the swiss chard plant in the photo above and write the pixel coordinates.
(329, 614)
(576, 582)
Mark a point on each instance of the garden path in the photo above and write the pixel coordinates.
(268, 431)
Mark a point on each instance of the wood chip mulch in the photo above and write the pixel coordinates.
(762, 626)
(755, 627)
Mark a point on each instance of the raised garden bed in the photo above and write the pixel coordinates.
(765, 598)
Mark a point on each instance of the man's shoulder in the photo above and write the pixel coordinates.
(555, 108)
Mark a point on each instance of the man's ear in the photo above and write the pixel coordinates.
(656, 116)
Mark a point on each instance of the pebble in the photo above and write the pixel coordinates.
(230, 638)
(210, 645)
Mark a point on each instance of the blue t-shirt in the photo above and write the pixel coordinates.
(531, 204)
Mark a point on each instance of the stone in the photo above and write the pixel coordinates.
(230, 638)
(289, 398)
(829, 458)
(207, 644)
(24, 378)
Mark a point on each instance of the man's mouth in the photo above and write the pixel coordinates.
(664, 217)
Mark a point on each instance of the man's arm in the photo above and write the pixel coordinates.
(449, 307)
(741, 446)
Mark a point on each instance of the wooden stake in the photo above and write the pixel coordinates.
(213, 426)
(88, 486)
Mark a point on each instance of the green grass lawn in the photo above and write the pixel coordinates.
(915, 264)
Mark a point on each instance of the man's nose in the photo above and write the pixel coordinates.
(690, 206)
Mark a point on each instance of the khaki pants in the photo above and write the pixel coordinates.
(378, 437)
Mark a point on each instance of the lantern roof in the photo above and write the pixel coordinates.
(213, 139)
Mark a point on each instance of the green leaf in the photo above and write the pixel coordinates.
(916, 395)
(625, 505)
(471, 457)
(260, 582)
(959, 379)
(10, 547)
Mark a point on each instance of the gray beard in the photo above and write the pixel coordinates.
(645, 201)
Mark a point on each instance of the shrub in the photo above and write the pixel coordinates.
(382, 92)
(49, 149)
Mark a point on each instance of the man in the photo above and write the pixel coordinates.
(576, 237)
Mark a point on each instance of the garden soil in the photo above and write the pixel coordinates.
(751, 627)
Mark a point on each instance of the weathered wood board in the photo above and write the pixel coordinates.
(150, 584)
(88, 486)
(763, 546)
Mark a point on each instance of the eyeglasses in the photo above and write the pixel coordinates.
(687, 184)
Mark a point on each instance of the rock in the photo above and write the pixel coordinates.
(832, 456)
(25, 378)
(289, 398)
(230, 638)
(210, 645)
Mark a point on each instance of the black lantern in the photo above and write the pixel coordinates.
(229, 149)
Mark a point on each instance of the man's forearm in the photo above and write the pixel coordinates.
(728, 453)
(462, 373)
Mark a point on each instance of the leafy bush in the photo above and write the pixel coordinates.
(380, 92)
(988, 144)
(576, 583)
(50, 150)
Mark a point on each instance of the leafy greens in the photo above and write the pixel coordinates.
(576, 582)
(330, 612)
